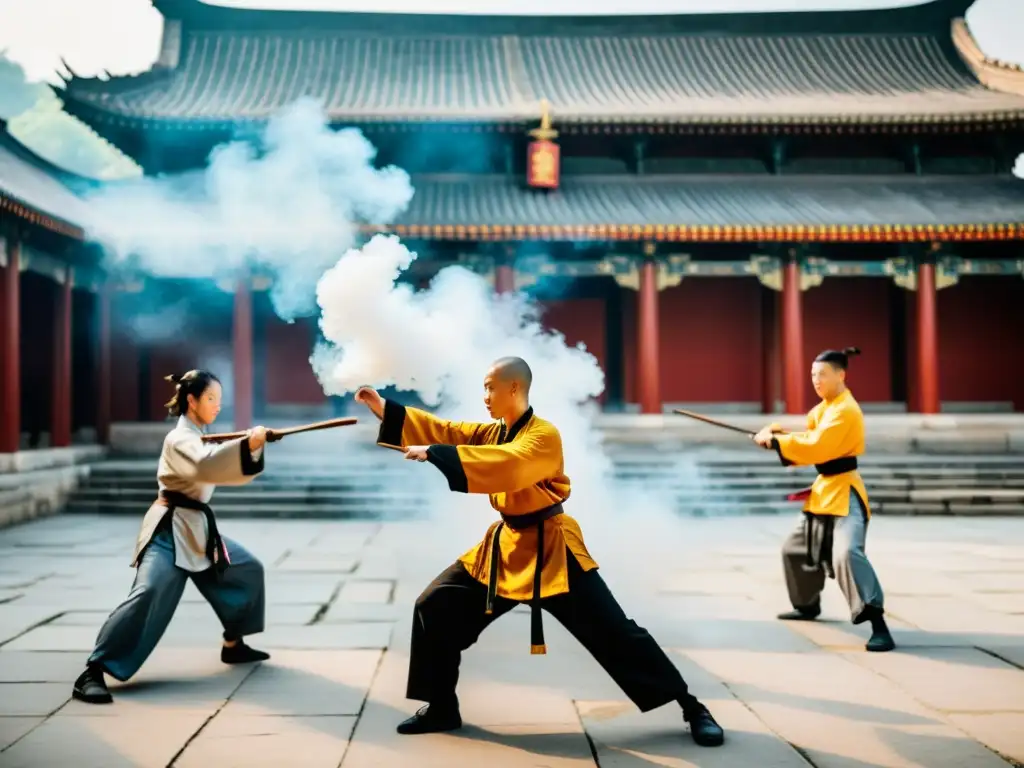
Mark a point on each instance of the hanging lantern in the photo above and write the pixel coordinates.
(543, 155)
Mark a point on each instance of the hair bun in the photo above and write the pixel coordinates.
(174, 378)
(851, 351)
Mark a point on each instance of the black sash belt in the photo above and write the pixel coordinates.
(837, 466)
(819, 546)
(215, 549)
(522, 523)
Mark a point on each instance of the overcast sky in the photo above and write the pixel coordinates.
(123, 36)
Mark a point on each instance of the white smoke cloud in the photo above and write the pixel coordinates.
(289, 209)
(440, 342)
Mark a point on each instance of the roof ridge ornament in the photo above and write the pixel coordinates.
(545, 132)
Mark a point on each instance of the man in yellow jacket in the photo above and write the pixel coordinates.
(830, 540)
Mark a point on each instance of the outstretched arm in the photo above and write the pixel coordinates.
(499, 468)
(404, 426)
(815, 446)
(230, 463)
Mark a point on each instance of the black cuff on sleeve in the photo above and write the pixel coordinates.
(390, 432)
(250, 467)
(446, 459)
(782, 459)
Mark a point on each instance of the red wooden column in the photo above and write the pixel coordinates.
(60, 390)
(648, 378)
(241, 341)
(10, 382)
(504, 278)
(769, 349)
(103, 353)
(794, 367)
(927, 340)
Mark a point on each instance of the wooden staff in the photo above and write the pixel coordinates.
(714, 422)
(273, 435)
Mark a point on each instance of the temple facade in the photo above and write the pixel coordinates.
(705, 201)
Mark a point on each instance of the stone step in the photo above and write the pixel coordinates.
(258, 496)
(376, 474)
(677, 498)
(778, 484)
(407, 512)
(305, 510)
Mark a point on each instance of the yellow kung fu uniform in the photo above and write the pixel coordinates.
(521, 469)
(833, 440)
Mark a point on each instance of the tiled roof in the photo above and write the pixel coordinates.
(32, 190)
(490, 205)
(643, 78)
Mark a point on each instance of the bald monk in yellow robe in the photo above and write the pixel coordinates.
(517, 462)
(831, 537)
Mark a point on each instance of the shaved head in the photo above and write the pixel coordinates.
(514, 369)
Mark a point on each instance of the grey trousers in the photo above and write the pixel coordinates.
(854, 574)
(135, 627)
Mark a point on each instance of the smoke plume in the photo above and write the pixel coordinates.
(287, 208)
(439, 343)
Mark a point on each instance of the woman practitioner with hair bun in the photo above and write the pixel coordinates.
(830, 539)
(179, 540)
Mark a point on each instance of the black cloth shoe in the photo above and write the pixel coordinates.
(705, 731)
(432, 719)
(91, 687)
(881, 639)
(240, 653)
(801, 614)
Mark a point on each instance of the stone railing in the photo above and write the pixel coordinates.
(39, 482)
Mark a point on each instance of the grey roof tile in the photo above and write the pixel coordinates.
(643, 78)
(717, 201)
(25, 180)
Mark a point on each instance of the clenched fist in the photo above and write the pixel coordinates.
(371, 398)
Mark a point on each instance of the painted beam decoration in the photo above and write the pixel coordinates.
(673, 268)
(711, 233)
(543, 155)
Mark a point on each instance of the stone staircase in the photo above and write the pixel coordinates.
(754, 483)
(360, 481)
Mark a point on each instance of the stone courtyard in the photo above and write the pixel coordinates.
(340, 597)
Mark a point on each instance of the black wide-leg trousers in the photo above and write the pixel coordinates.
(449, 617)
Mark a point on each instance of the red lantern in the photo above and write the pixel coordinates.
(542, 164)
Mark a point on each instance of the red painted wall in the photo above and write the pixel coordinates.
(852, 312)
(710, 341)
(290, 378)
(580, 320)
(981, 340)
(124, 375)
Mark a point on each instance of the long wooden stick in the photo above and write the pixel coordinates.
(714, 422)
(274, 435)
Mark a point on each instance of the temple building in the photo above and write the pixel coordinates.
(705, 201)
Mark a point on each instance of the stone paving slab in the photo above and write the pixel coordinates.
(13, 728)
(145, 740)
(339, 616)
(227, 741)
(837, 716)
(307, 683)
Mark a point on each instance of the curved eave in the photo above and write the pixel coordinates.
(711, 234)
(921, 15)
(993, 74)
(9, 204)
(68, 178)
(568, 123)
